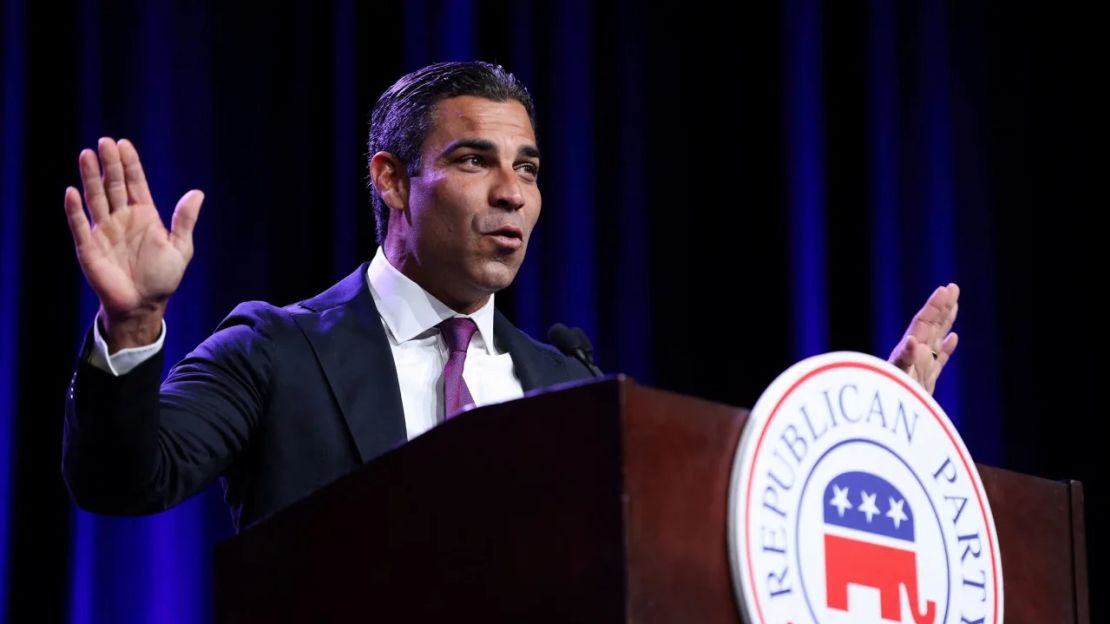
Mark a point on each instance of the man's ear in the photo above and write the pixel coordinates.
(391, 180)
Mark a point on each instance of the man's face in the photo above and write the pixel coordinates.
(472, 208)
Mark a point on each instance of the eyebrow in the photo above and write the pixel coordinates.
(482, 145)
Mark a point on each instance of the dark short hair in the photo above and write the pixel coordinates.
(402, 118)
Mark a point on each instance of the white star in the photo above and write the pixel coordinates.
(840, 500)
(896, 514)
(867, 505)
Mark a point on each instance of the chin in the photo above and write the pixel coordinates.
(496, 276)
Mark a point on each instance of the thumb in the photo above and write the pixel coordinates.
(902, 357)
(184, 220)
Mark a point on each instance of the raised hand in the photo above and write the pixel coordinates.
(129, 258)
(929, 341)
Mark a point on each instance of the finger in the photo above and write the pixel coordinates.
(948, 308)
(937, 316)
(114, 185)
(137, 189)
(950, 319)
(184, 220)
(949, 345)
(950, 298)
(75, 216)
(93, 185)
(936, 306)
(927, 317)
(941, 355)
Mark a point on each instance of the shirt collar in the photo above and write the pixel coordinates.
(409, 311)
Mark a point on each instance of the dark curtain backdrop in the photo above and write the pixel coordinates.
(726, 192)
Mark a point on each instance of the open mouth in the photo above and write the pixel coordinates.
(508, 237)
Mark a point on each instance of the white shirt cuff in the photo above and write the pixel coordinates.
(121, 362)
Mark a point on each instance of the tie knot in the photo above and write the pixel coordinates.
(457, 333)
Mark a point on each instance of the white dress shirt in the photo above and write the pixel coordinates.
(409, 315)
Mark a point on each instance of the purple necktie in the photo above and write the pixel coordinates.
(457, 333)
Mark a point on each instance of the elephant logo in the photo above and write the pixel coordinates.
(869, 541)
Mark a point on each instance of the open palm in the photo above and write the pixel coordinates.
(929, 342)
(129, 258)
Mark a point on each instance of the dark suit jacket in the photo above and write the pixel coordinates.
(277, 402)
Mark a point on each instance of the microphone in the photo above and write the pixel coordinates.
(574, 343)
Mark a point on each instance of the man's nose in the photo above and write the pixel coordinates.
(507, 191)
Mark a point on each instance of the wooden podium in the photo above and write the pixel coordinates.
(600, 502)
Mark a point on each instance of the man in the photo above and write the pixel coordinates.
(280, 401)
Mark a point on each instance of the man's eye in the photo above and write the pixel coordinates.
(472, 159)
(528, 169)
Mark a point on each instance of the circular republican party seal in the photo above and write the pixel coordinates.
(854, 500)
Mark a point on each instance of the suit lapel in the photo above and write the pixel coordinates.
(345, 331)
(347, 336)
(536, 365)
